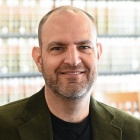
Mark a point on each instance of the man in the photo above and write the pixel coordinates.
(68, 59)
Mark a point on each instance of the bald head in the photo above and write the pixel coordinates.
(60, 10)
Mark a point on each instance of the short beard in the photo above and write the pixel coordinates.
(71, 92)
(77, 92)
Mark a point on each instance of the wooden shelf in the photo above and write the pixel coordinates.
(37, 74)
(35, 36)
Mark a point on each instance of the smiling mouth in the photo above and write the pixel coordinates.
(73, 73)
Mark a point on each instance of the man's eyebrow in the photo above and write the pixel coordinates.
(59, 43)
(56, 43)
(83, 42)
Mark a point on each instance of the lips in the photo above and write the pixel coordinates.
(73, 72)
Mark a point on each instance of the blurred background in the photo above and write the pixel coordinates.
(118, 24)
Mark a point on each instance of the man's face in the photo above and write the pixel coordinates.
(69, 54)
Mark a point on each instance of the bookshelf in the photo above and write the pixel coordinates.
(118, 24)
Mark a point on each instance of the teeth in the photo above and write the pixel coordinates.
(73, 72)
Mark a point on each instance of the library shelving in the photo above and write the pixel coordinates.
(118, 25)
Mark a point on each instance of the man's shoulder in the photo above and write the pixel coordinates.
(10, 116)
(13, 108)
(16, 107)
(126, 124)
(121, 117)
(116, 112)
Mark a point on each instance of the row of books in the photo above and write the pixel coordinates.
(16, 55)
(119, 54)
(12, 89)
(118, 83)
(112, 17)
(16, 88)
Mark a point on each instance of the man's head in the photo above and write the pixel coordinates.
(62, 9)
(68, 54)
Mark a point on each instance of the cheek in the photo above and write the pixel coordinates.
(50, 64)
(90, 62)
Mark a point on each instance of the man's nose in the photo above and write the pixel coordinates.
(72, 56)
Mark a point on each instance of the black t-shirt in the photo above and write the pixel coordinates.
(71, 131)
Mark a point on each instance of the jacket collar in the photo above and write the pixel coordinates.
(37, 121)
(102, 123)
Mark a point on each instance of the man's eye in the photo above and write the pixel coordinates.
(56, 48)
(84, 47)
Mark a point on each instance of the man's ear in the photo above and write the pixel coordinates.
(99, 51)
(36, 54)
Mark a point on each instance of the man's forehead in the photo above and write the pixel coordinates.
(68, 9)
(62, 12)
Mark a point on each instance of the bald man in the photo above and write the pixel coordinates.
(68, 56)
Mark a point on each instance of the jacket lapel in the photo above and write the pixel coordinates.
(102, 123)
(37, 119)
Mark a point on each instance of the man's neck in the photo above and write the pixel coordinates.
(68, 110)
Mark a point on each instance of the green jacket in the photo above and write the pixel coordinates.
(29, 119)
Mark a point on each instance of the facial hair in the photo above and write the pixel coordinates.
(70, 91)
